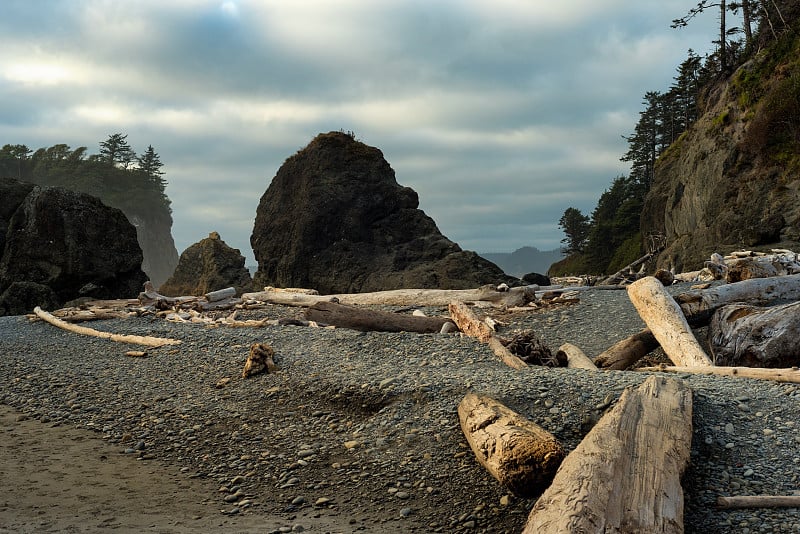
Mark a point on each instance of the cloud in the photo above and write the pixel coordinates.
(500, 115)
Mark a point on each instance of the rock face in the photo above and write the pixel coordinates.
(207, 266)
(335, 219)
(731, 180)
(153, 231)
(69, 243)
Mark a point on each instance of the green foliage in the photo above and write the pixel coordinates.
(628, 251)
(137, 191)
(573, 265)
(576, 227)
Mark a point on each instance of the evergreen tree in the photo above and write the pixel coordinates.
(116, 150)
(150, 164)
(576, 227)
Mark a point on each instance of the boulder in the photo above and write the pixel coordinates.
(207, 266)
(73, 244)
(335, 219)
(536, 278)
(22, 297)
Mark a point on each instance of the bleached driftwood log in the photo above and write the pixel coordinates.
(576, 359)
(372, 320)
(469, 323)
(625, 474)
(220, 294)
(516, 296)
(665, 319)
(628, 351)
(754, 336)
(619, 276)
(759, 501)
(520, 454)
(791, 374)
(700, 305)
(123, 338)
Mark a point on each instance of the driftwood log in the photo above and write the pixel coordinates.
(469, 323)
(699, 305)
(520, 454)
(759, 501)
(628, 351)
(625, 474)
(516, 296)
(372, 320)
(753, 336)
(662, 314)
(778, 375)
(576, 358)
(123, 338)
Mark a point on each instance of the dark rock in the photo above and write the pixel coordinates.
(536, 278)
(73, 244)
(12, 194)
(335, 219)
(207, 266)
(22, 297)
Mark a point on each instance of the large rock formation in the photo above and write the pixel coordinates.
(61, 245)
(335, 219)
(732, 180)
(154, 233)
(207, 266)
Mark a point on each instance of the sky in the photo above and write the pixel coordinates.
(500, 114)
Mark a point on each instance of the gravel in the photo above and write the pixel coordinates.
(364, 425)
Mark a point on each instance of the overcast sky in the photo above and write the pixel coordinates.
(500, 114)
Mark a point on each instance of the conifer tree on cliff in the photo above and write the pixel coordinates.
(116, 150)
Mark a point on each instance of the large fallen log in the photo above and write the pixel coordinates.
(666, 320)
(516, 296)
(372, 320)
(625, 474)
(123, 338)
(778, 375)
(699, 305)
(469, 323)
(753, 336)
(520, 454)
(628, 351)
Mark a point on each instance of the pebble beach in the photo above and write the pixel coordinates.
(358, 431)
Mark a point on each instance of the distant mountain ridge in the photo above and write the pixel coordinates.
(524, 260)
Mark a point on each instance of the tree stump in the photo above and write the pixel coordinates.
(520, 454)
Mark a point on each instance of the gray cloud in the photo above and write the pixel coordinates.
(500, 115)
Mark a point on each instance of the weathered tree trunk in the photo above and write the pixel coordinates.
(123, 338)
(628, 351)
(520, 454)
(791, 374)
(665, 319)
(699, 305)
(372, 320)
(576, 359)
(752, 336)
(516, 296)
(625, 474)
(220, 294)
(469, 323)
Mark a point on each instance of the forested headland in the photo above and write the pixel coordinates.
(610, 237)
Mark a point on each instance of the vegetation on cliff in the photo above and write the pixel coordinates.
(762, 67)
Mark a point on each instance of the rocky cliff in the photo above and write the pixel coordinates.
(733, 179)
(335, 219)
